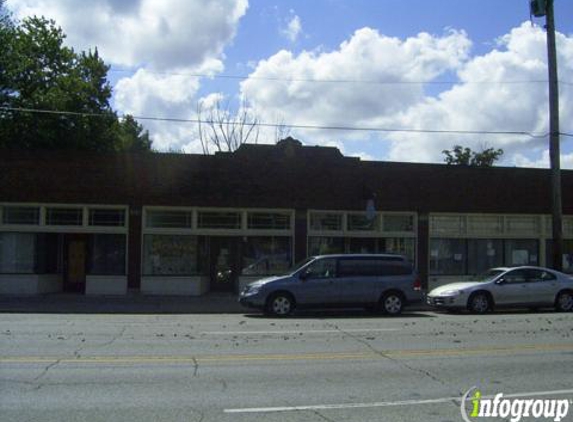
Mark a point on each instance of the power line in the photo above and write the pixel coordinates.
(293, 126)
(338, 81)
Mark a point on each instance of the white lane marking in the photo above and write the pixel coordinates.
(341, 331)
(386, 403)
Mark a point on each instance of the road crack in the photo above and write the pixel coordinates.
(195, 366)
(320, 415)
(398, 362)
(114, 339)
(47, 368)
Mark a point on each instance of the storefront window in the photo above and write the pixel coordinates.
(268, 221)
(107, 217)
(64, 216)
(48, 253)
(169, 219)
(170, 255)
(398, 223)
(106, 254)
(484, 254)
(399, 245)
(361, 222)
(325, 245)
(320, 221)
(567, 255)
(521, 252)
(17, 252)
(362, 245)
(448, 256)
(219, 220)
(266, 255)
(20, 215)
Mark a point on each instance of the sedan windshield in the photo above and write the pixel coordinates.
(488, 275)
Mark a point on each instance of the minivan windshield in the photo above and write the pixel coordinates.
(488, 275)
(299, 265)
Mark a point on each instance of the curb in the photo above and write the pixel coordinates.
(133, 305)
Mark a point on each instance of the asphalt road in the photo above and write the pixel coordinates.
(346, 366)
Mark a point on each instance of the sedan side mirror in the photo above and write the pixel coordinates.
(500, 281)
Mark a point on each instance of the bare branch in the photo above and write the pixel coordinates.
(221, 130)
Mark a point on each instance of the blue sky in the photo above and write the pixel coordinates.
(169, 56)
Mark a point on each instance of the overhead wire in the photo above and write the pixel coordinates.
(339, 81)
(293, 126)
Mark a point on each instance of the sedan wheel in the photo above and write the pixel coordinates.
(280, 304)
(479, 303)
(392, 304)
(564, 302)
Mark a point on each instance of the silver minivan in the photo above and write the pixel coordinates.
(383, 282)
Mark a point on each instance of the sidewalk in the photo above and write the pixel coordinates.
(215, 303)
(210, 303)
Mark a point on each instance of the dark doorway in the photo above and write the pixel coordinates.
(224, 263)
(75, 255)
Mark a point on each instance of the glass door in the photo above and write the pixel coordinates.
(75, 268)
(224, 263)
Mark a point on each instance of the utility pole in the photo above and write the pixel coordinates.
(554, 149)
(540, 8)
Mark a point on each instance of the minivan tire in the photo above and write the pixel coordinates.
(280, 304)
(392, 304)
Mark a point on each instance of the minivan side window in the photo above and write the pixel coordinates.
(396, 268)
(359, 267)
(322, 268)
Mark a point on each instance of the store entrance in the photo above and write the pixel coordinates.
(224, 263)
(75, 255)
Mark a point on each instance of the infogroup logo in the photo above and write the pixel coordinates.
(475, 405)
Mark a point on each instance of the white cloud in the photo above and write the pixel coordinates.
(367, 56)
(153, 93)
(542, 161)
(158, 34)
(167, 41)
(293, 29)
(480, 100)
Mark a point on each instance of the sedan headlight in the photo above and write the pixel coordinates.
(251, 290)
(450, 293)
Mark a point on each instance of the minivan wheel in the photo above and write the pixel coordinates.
(280, 304)
(564, 302)
(479, 303)
(392, 304)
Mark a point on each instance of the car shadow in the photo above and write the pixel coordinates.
(342, 314)
(502, 311)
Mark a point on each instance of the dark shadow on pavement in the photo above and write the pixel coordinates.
(129, 304)
(342, 314)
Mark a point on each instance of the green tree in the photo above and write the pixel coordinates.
(464, 156)
(55, 98)
(132, 136)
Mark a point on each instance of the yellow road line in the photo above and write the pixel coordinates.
(392, 354)
(203, 359)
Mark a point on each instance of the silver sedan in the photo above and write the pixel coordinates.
(529, 287)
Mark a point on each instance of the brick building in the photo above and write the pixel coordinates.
(188, 224)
